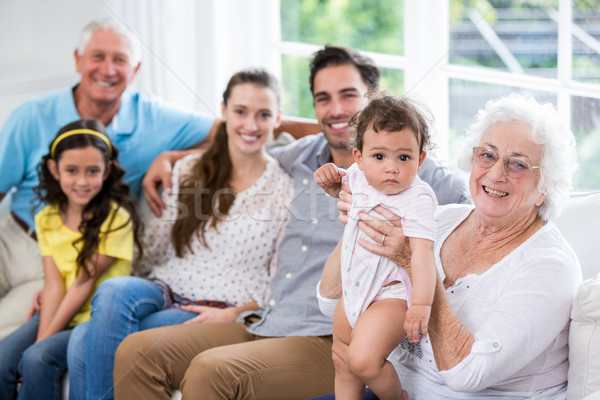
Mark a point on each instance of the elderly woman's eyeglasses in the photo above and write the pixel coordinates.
(515, 167)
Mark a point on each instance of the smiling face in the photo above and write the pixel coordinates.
(338, 94)
(251, 114)
(390, 160)
(81, 173)
(497, 196)
(105, 67)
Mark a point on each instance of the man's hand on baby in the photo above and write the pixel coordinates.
(329, 177)
(417, 317)
(345, 203)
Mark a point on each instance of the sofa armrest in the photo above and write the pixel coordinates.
(584, 342)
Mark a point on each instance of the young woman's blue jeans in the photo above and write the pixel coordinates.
(40, 364)
(120, 306)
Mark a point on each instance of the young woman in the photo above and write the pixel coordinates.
(210, 252)
(86, 234)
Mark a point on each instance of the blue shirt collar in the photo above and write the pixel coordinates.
(124, 122)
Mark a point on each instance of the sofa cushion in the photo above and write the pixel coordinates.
(584, 341)
(593, 396)
(579, 225)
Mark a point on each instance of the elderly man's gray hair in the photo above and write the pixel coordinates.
(116, 26)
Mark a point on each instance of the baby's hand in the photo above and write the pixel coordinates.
(416, 317)
(329, 177)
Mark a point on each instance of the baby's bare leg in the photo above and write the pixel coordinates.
(378, 331)
(347, 385)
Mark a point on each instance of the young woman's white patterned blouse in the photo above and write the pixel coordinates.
(236, 267)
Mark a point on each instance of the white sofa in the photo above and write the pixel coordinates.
(578, 224)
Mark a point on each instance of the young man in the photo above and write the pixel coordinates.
(107, 59)
(284, 350)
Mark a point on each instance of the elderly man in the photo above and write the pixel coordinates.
(284, 350)
(107, 58)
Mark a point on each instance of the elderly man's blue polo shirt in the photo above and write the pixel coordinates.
(142, 129)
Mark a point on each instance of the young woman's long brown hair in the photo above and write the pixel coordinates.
(98, 209)
(206, 194)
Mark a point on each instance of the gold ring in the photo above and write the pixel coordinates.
(382, 240)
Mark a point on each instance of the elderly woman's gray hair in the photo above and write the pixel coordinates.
(559, 158)
(113, 25)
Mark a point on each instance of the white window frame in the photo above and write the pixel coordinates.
(427, 72)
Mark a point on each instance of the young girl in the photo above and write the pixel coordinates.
(380, 306)
(86, 234)
(210, 253)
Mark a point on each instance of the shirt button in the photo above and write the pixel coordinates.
(305, 181)
(271, 302)
(288, 275)
(496, 344)
(304, 248)
(315, 221)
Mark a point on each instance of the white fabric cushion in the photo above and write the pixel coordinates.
(595, 396)
(584, 341)
(579, 225)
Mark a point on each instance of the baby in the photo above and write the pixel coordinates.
(380, 304)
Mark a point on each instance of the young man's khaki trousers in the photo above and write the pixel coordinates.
(221, 361)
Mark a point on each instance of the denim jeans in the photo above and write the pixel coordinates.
(120, 306)
(369, 395)
(40, 364)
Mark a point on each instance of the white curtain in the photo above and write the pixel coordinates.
(173, 49)
(191, 47)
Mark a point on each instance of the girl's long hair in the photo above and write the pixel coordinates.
(206, 194)
(98, 209)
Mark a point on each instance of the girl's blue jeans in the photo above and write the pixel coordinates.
(120, 306)
(40, 364)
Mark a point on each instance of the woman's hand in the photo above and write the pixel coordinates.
(388, 236)
(345, 203)
(210, 314)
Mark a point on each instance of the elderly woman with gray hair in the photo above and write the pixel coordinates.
(506, 275)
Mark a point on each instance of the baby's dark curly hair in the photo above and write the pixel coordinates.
(114, 189)
(385, 112)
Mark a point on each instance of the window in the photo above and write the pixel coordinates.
(373, 27)
(467, 52)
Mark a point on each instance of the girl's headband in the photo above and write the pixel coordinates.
(81, 132)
